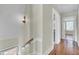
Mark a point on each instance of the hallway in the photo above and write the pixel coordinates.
(34, 29)
(66, 47)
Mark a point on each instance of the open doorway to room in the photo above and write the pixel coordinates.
(70, 28)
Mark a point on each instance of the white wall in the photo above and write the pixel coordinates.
(8, 43)
(36, 28)
(48, 38)
(37, 20)
(57, 23)
(9, 22)
(78, 26)
(10, 25)
(47, 29)
(25, 34)
(39, 26)
(26, 28)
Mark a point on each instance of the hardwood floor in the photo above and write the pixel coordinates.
(66, 47)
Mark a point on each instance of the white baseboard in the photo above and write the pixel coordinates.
(51, 48)
(48, 51)
(37, 45)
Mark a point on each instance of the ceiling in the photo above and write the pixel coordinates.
(64, 8)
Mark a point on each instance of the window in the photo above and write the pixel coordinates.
(69, 25)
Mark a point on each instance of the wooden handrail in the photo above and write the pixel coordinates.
(8, 48)
(28, 42)
(17, 46)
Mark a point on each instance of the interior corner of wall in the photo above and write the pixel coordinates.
(48, 50)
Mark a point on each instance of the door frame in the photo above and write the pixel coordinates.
(75, 25)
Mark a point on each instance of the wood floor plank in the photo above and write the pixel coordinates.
(66, 47)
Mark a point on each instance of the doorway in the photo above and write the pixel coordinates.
(69, 28)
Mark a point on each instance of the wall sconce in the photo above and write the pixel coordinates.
(24, 21)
